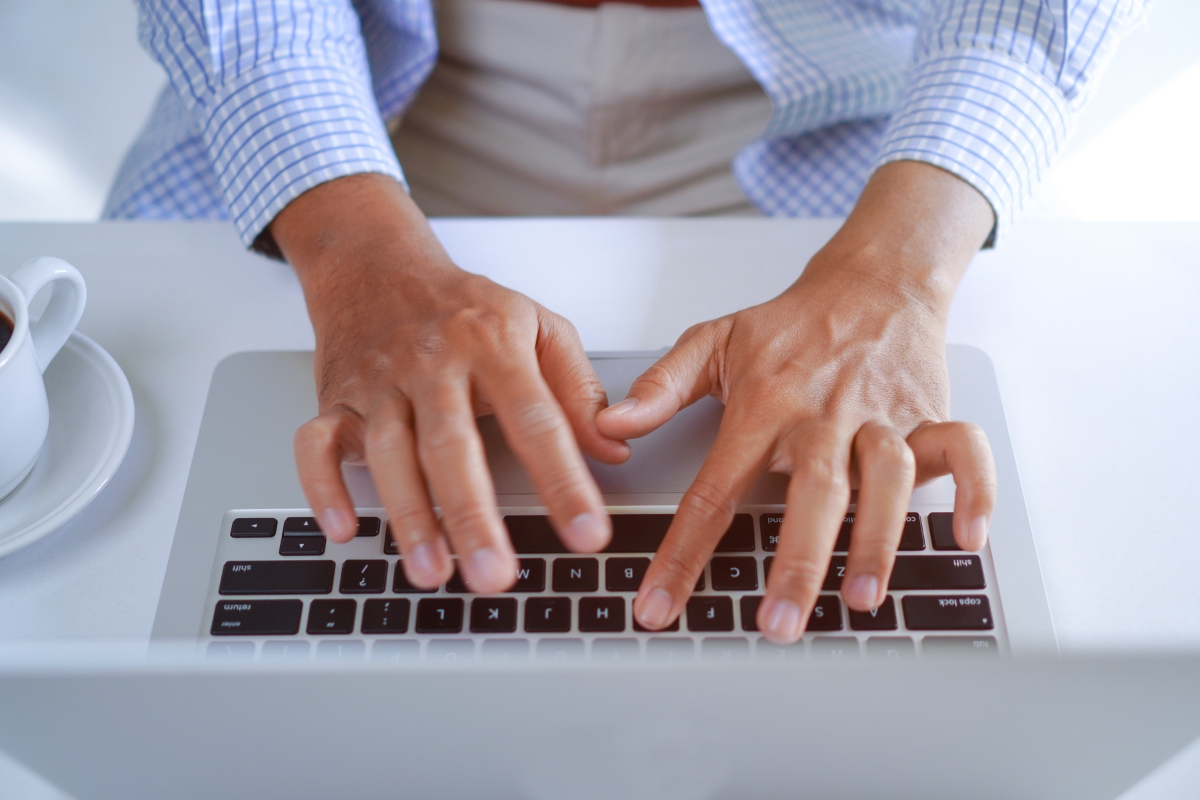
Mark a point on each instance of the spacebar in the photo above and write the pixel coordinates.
(277, 577)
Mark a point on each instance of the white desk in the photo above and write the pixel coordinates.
(1094, 330)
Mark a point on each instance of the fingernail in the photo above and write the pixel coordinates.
(623, 406)
(487, 570)
(422, 566)
(587, 532)
(335, 524)
(977, 533)
(655, 611)
(863, 592)
(783, 620)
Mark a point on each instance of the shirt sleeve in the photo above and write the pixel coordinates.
(995, 86)
(288, 95)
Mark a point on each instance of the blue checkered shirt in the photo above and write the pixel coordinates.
(268, 98)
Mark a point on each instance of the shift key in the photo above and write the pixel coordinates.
(277, 577)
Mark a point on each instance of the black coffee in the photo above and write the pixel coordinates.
(6, 329)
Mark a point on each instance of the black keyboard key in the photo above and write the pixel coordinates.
(912, 538)
(740, 536)
(389, 544)
(548, 615)
(941, 530)
(826, 614)
(531, 575)
(937, 572)
(576, 574)
(257, 617)
(494, 615)
(301, 526)
(253, 527)
(624, 574)
(456, 584)
(749, 608)
(734, 573)
(710, 614)
(602, 614)
(638, 533)
(842, 544)
(947, 613)
(439, 615)
(960, 645)
(368, 526)
(331, 616)
(386, 616)
(881, 619)
(277, 577)
(400, 584)
(533, 534)
(770, 525)
(364, 577)
(834, 575)
(301, 545)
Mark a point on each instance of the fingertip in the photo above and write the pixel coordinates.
(487, 571)
(338, 526)
(780, 621)
(862, 593)
(977, 533)
(589, 532)
(428, 566)
(653, 609)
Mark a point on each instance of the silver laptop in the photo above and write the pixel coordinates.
(251, 577)
(290, 667)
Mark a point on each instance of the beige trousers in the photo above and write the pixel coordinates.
(542, 109)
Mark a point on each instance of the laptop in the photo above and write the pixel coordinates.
(251, 577)
(286, 666)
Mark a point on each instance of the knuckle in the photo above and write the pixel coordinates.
(820, 473)
(798, 573)
(894, 453)
(442, 434)
(677, 566)
(538, 419)
(387, 436)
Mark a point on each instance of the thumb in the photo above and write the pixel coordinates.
(685, 374)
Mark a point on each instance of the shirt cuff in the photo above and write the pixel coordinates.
(990, 120)
(278, 130)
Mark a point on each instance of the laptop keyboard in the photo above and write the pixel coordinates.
(280, 591)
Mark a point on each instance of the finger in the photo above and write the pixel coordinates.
(391, 456)
(886, 473)
(538, 433)
(962, 450)
(817, 497)
(738, 455)
(321, 445)
(573, 381)
(451, 456)
(678, 379)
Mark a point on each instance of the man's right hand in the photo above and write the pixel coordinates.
(409, 350)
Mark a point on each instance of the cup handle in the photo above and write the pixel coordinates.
(62, 314)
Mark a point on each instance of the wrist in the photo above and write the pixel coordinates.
(350, 231)
(912, 234)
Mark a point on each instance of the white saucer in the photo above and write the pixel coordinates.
(91, 423)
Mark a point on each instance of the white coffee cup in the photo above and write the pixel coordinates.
(24, 410)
